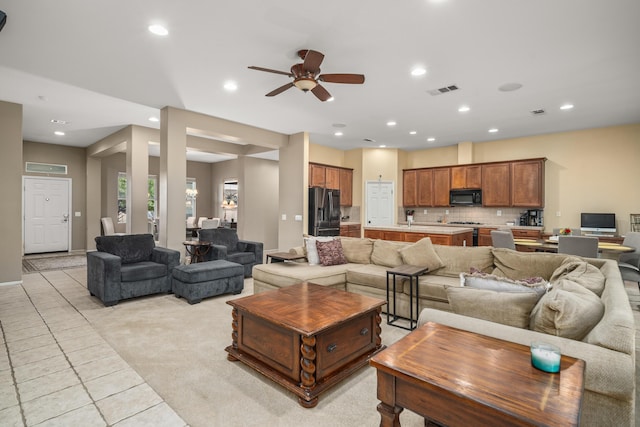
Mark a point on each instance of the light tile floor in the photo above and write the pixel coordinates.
(55, 370)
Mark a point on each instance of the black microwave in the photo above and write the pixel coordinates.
(465, 197)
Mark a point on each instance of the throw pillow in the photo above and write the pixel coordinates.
(496, 283)
(312, 252)
(583, 273)
(386, 253)
(330, 253)
(357, 250)
(421, 254)
(569, 310)
(508, 308)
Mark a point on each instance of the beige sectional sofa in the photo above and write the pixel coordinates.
(608, 346)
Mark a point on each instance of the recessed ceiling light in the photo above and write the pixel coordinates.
(431, 139)
(464, 109)
(158, 30)
(338, 133)
(154, 119)
(59, 122)
(567, 107)
(383, 146)
(413, 132)
(231, 86)
(493, 130)
(509, 87)
(59, 133)
(391, 123)
(418, 71)
(331, 99)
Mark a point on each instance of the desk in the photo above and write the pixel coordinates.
(458, 378)
(283, 256)
(193, 231)
(412, 272)
(552, 246)
(196, 249)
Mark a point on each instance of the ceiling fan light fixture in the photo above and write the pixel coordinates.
(305, 84)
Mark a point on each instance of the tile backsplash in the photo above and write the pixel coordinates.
(464, 214)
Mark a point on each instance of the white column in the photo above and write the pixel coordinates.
(137, 182)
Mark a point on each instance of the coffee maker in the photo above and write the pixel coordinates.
(532, 217)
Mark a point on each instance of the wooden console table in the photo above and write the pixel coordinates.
(458, 378)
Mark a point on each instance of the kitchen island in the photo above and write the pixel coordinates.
(439, 235)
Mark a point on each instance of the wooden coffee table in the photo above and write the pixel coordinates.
(305, 337)
(458, 378)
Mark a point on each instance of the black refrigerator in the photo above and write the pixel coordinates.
(324, 212)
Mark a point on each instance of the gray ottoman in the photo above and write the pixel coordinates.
(206, 279)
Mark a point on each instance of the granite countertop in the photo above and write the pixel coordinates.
(439, 224)
(433, 229)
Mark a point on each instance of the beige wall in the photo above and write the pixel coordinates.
(75, 160)
(326, 155)
(11, 167)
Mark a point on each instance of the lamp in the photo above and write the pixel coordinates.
(305, 84)
(192, 193)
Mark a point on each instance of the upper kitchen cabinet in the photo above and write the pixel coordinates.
(527, 183)
(425, 187)
(334, 178)
(410, 188)
(346, 187)
(466, 177)
(441, 186)
(496, 184)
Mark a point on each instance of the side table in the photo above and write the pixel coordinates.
(283, 256)
(196, 249)
(412, 272)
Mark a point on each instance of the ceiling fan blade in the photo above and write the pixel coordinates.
(312, 61)
(342, 78)
(280, 89)
(321, 93)
(268, 70)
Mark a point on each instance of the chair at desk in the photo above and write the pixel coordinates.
(578, 245)
(108, 229)
(629, 263)
(211, 223)
(191, 222)
(502, 239)
(202, 218)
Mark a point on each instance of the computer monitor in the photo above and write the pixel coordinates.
(598, 222)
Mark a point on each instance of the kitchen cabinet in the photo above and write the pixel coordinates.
(459, 239)
(441, 187)
(409, 188)
(466, 177)
(334, 178)
(496, 184)
(351, 230)
(527, 183)
(484, 236)
(425, 187)
(346, 187)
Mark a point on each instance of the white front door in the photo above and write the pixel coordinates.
(379, 203)
(46, 210)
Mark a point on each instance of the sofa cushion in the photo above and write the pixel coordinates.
(357, 250)
(569, 310)
(311, 251)
(504, 284)
(330, 253)
(144, 270)
(285, 274)
(508, 308)
(434, 287)
(386, 253)
(581, 272)
(131, 248)
(421, 253)
(372, 275)
(521, 265)
(457, 259)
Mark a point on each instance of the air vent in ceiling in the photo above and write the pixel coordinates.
(442, 90)
(369, 140)
(538, 112)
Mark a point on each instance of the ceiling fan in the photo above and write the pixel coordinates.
(307, 77)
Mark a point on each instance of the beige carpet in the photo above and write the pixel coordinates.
(179, 350)
(48, 262)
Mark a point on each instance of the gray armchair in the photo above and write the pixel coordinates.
(226, 245)
(129, 266)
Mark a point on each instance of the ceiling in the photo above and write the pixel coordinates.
(96, 66)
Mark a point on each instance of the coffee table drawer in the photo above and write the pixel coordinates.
(340, 345)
